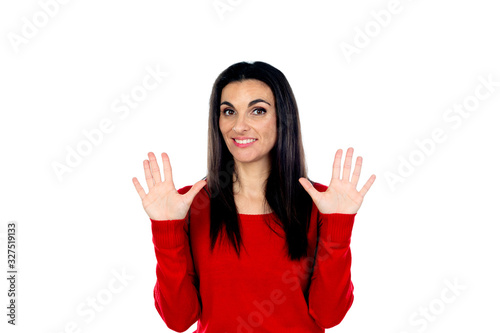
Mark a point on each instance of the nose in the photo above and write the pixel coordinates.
(241, 124)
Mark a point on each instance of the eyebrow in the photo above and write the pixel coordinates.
(255, 101)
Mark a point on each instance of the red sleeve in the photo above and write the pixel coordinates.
(331, 291)
(175, 293)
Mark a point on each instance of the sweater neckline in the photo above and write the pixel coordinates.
(250, 216)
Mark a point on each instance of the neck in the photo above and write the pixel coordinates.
(251, 178)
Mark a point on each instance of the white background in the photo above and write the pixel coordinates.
(437, 224)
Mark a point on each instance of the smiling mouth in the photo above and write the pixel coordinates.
(241, 142)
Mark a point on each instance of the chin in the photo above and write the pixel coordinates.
(247, 159)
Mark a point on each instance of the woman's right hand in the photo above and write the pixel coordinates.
(163, 202)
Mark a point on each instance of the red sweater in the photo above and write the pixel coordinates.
(262, 291)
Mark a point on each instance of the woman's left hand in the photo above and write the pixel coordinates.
(341, 196)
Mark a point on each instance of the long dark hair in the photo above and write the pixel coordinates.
(284, 194)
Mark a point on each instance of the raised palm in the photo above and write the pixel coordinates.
(163, 202)
(341, 195)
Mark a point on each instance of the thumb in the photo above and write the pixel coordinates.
(306, 184)
(193, 191)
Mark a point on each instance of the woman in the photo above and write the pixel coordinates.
(261, 248)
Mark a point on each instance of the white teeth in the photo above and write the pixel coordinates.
(245, 141)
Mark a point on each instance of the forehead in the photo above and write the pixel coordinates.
(247, 89)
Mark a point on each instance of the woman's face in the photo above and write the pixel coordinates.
(249, 108)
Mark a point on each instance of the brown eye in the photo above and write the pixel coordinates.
(261, 110)
(224, 111)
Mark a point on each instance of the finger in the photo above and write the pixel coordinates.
(336, 165)
(155, 170)
(306, 184)
(357, 171)
(167, 168)
(139, 188)
(193, 191)
(147, 173)
(367, 186)
(347, 164)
